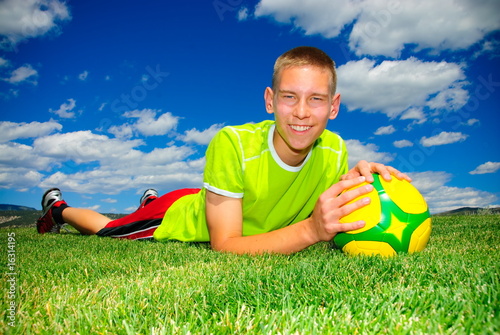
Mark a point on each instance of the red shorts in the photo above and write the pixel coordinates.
(142, 223)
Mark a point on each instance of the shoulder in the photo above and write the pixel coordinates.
(330, 141)
(243, 135)
(248, 129)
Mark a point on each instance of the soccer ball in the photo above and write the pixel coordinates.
(397, 221)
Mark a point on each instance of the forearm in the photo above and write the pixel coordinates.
(286, 240)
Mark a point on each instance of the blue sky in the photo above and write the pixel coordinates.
(104, 99)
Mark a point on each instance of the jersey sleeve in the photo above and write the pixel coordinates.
(224, 165)
(344, 159)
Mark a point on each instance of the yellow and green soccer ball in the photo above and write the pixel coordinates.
(397, 221)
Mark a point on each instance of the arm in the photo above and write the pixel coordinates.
(224, 219)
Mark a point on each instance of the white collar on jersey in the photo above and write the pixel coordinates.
(277, 158)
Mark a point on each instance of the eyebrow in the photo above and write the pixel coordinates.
(292, 92)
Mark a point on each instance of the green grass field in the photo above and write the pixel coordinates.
(71, 284)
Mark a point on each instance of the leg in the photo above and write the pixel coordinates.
(56, 213)
(89, 222)
(86, 221)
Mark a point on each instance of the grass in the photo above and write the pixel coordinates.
(71, 284)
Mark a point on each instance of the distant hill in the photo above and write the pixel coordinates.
(4, 207)
(470, 210)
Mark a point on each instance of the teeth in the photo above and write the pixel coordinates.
(300, 128)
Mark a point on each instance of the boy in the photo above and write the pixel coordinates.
(273, 186)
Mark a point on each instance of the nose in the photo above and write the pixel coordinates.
(301, 110)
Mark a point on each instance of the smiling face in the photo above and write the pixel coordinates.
(302, 104)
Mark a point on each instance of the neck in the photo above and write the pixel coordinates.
(286, 153)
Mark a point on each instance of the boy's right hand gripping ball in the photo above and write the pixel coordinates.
(397, 221)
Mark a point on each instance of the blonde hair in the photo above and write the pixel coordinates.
(302, 56)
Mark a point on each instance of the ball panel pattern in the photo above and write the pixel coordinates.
(420, 237)
(404, 195)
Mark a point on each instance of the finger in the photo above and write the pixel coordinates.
(343, 227)
(337, 188)
(350, 175)
(350, 195)
(345, 210)
(366, 170)
(401, 175)
(382, 170)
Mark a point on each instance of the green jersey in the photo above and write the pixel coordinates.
(241, 162)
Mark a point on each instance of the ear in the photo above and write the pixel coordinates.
(269, 100)
(335, 106)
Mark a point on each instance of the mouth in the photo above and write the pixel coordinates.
(300, 128)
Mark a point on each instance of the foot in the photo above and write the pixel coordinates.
(46, 223)
(149, 195)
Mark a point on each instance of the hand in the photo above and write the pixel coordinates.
(363, 168)
(332, 206)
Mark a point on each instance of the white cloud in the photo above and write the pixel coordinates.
(442, 198)
(243, 14)
(83, 76)
(123, 132)
(393, 87)
(443, 138)
(22, 74)
(416, 114)
(166, 168)
(452, 98)
(18, 177)
(386, 27)
(65, 110)
(84, 146)
(12, 131)
(85, 162)
(325, 17)
(3, 62)
(117, 165)
(369, 152)
(488, 167)
(472, 122)
(387, 130)
(437, 25)
(491, 48)
(200, 137)
(413, 114)
(402, 144)
(15, 155)
(24, 19)
(147, 124)
(428, 181)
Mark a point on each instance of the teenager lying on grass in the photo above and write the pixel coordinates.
(272, 187)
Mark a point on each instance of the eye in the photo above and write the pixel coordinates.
(317, 101)
(288, 99)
